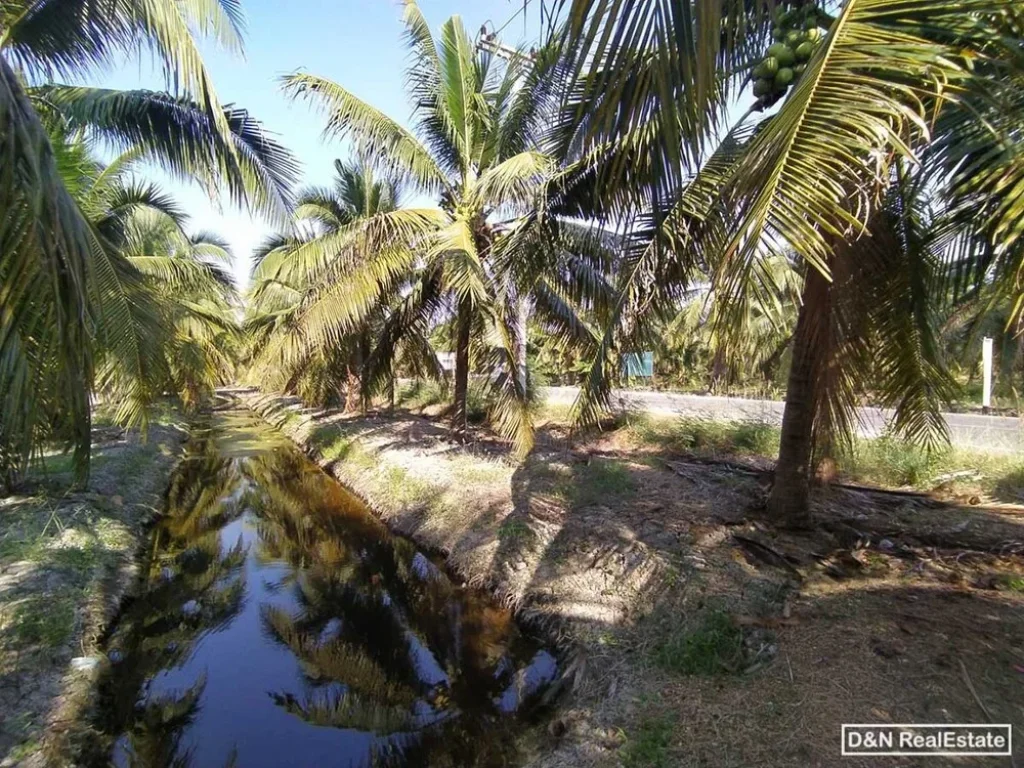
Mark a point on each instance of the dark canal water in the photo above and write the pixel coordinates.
(280, 624)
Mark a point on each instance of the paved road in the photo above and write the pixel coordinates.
(996, 433)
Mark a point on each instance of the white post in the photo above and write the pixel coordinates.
(986, 364)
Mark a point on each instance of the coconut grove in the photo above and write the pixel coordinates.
(572, 383)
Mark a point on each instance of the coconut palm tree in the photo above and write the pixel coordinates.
(478, 123)
(295, 269)
(54, 262)
(833, 174)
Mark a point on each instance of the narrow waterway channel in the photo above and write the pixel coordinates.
(281, 624)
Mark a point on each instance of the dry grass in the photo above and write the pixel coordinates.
(66, 559)
(695, 634)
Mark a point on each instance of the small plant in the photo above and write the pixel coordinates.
(648, 748)
(893, 462)
(715, 647)
(514, 530)
(1015, 583)
(42, 621)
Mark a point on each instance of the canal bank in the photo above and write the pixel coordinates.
(67, 560)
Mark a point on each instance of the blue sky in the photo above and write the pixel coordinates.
(357, 43)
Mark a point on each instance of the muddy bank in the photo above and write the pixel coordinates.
(66, 561)
(698, 634)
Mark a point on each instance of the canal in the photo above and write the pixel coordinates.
(279, 623)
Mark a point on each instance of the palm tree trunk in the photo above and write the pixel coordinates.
(391, 385)
(522, 319)
(788, 503)
(351, 390)
(82, 457)
(463, 323)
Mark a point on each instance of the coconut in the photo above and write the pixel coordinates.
(804, 51)
(785, 56)
(762, 87)
(779, 34)
(784, 77)
(794, 38)
(813, 35)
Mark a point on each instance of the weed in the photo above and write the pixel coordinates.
(1014, 583)
(712, 648)
(47, 621)
(24, 750)
(885, 461)
(705, 436)
(1009, 486)
(891, 462)
(649, 747)
(514, 530)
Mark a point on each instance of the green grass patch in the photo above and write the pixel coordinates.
(715, 647)
(24, 750)
(43, 620)
(649, 746)
(471, 470)
(600, 480)
(890, 462)
(704, 436)
(1014, 583)
(514, 530)
(404, 489)
(420, 394)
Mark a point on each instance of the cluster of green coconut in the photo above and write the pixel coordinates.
(797, 33)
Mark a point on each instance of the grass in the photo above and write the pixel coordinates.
(514, 530)
(884, 461)
(712, 648)
(1014, 583)
(649, 746)
(421, 395)
(692, 435)
(46, 620)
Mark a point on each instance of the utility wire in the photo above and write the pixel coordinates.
(513, 18)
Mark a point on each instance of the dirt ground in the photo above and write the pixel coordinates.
(66, 561)
(694, 633)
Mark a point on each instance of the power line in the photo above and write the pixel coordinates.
(513, 17)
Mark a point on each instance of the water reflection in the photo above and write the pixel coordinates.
(281, 624)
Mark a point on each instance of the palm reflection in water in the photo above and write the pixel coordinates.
(281, 624)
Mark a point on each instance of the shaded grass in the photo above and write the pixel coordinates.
(421, 395)
(649, 746)
(599, 481)
(712, 648)
(41, 621)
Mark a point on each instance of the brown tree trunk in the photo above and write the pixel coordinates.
(391, 386)
(719, 370)
(788, 502)
(353, 396)
(463, 323)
